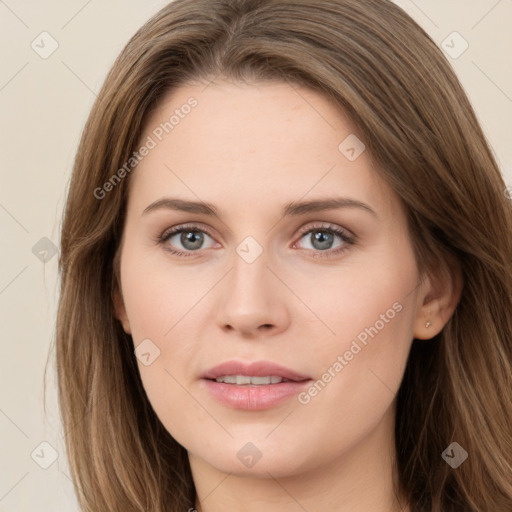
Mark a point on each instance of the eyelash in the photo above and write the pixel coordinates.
(329, 228)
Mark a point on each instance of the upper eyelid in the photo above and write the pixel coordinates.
(326, 226)
(192, 226)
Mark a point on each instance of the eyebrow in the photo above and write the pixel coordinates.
(289, 209)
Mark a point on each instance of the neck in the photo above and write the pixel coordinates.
(362, 478)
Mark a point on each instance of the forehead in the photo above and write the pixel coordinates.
(228, 141)
(247, 119)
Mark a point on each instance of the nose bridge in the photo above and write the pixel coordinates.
(251, 298)
(249, 279)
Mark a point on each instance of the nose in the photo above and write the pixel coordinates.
(253, 300)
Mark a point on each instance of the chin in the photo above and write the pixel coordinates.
(259, 458)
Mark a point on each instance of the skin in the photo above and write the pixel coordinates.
(248, 149)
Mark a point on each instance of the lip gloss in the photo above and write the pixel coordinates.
(251, 397)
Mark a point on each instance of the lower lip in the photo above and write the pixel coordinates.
(254, 398)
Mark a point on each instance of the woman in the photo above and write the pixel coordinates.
(286, 271)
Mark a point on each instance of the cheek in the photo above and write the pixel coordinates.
(157, 295)
(370, 301)
(162, 310)
(367, 320)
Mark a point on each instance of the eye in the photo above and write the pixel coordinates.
(322, 239)
(191, 239)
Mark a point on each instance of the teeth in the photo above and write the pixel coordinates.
(242, 380)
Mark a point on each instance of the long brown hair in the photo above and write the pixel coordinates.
(374, 61)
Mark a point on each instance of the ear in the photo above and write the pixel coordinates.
(441, 293)
(120, 311)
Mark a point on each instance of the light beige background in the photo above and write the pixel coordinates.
(44, 104)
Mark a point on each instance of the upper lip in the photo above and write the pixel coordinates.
(253, 369)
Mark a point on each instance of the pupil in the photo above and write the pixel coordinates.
(192, 240)
(323, 239)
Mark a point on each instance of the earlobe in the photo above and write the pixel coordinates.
(120, 311)
(442, 294)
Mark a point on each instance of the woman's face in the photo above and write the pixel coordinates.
(301, 268)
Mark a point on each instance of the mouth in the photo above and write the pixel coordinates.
(253, 386)
(246, 380)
